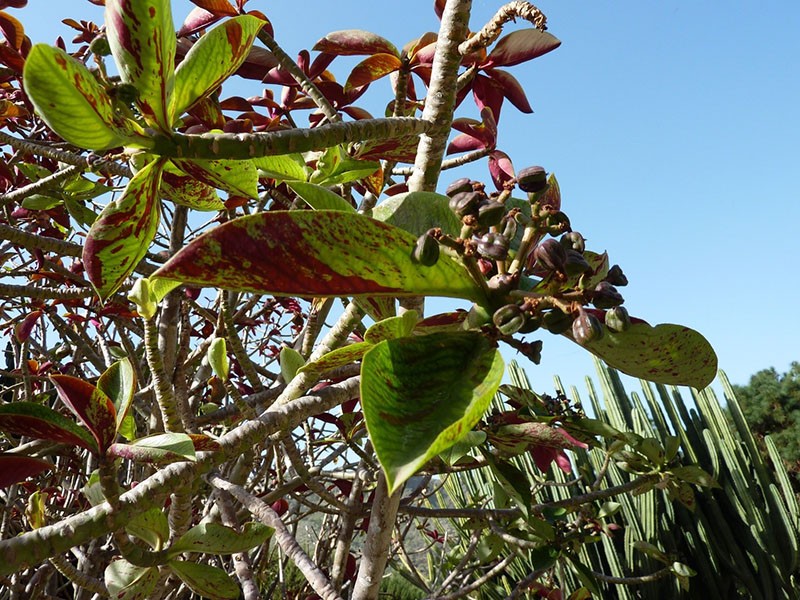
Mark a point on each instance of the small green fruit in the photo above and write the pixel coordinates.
(426, 250)
(556, 321)
(618, 319)
(508, 319)
(490, 213)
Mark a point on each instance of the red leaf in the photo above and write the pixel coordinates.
(12, 29)
(196, 20)
(519, 46)
(371, 69)
(488, 94)
(14, 469)
(12, 4)
(90, 405)
(257, 64)
(511, 89)
(218, 7)
(24, 328)
(464, 142)
(43, 423)
(203, 443)
(352, 42)
(501, 169)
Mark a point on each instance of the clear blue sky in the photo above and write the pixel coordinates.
(672, 127)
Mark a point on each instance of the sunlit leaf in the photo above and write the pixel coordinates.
(238, 177)
(315, 254)
(290, 361)
(187, 191)
(217, 356)
(159, 449)
(320, 198)
(121, 235)
(391, 328)
(211, 60)
(118, 382)
(213, 538)
(337, 358)
(519, 46)
(354, 42)
(150, 526)
(43, 423)
(371, 69)
(417, 212)
(72, 102)
(15, 468)
(91, 405)
(205, 580)
(420, 395)
(129, 582)
(283, 167)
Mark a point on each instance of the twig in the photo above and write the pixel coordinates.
(492, 30)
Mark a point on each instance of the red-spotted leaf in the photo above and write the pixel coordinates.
(213, 538)
(204, 443)
(519, 46)
(422, 394)
(121, 235)
(129, 582)
(91, 405)
(118, 382)
(238, 177)
(377, 307)
(392, 328)
(205, 580)
(215, 57)
(668, 354)
(337, 358)
(43, 423)
(187, 191)
(151, 527)
(72, 102)
(142, 40)
(15, 468)
(371, 69)
(315, 254)
(354, 42)
(23, 329)
(511, 89)
(283, 167)
(159, 449)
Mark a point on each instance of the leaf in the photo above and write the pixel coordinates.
(519, 46)
(377, 307)
(514, 482)
(238, 177)
(150, 526)
(696, 475)
(584, 574)
(211, 60)
(371, 69)
(392, 328)
(417, 212)
(335, 166)
(43, 423)
(118, 382)
(187, 191)
(462, 447)
(12, 30)
(213, 538)
(651, 551)
(142, 40)
(217, 355)
(35, 509)
(161, 448)
(15, 468)
(315, 254)
(337, 358)
(23, 329)
(120, 237)
(668, 354)
(352, 42)
(512, 89)
(129, 582)
(41, 202)
(91, 405)
(319, 198)
(205, 580)
(71, 101)
(291, 361)
(420, 395)
(282, 167)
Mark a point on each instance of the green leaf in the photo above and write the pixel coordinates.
(391, 328)
(187, 191)
(283, 167)
(696, 475)
(142, 40)
(157, 449)
(211, 60)
(40, 202)
(315, 254)
(205, 580)
(218, 358)
(150, 526)
(417, 212)
(291, 361)
(668, 354)
(319, 198)
(584, 574)
(683, 570)
(121, 235)
(513, 482)
(118, 382)
(15, 468)
(462, 447)
(213, 538)
(234, 176)
(91, 405)
(72, 102)
(79, 212)
(336, 166)
(420, 395)
(143, 296)
(337, 358)
(651, 551)
(129, 582)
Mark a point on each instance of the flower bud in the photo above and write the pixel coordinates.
(586, 328)
(532, 179)
(556, 321)
(465, 203)
(493, 246)
(572, 240)
(490, 213)
(576, 264)
(618, 319)
(426, 250)
(508, 319)
(606, 295)
(550, 255)
(616, 276)
(459, 186)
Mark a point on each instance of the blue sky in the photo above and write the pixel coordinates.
(672, 127)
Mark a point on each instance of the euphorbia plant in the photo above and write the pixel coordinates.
(316, 213)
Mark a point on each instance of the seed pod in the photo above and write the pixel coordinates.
(572, 240)
(477, 317)
(500, 284)
(550, 255)
(586, 328)
(616, 276)
(532, 323)
(490, 213)
(493, 246)
(557, 223)
(100, 46)
(465, 203)
(459, 186)
(576, 264)
(508, 319)
(532, 179)
(606, 295)
(426, 250)
(556, 321)
(618, 319)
